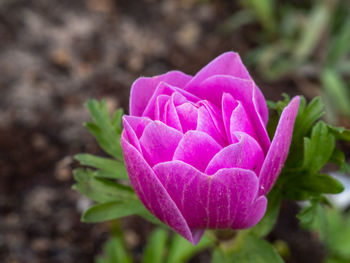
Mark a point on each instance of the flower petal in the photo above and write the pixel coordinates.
(241, 90)
(220, 201)
(246, 154)
(165, 89)
(188, 116)
(152, 193)
(143, 88)
(228, 63)
(196, 148)
(278, 151)
(158, 142)
(134, 127)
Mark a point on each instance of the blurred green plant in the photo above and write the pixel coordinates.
(309, 40)
(104, 180)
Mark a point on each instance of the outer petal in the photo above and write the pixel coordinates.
(152, 193)
(278, 151)
(158, 142)
(196, 148)
(242, 90)
(229, 64)
(143, 88)
(246, 154)
(224, 200)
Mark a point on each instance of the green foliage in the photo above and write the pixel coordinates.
(250, 249)
(156, 246)
(106, 130)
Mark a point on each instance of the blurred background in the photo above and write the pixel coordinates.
(56, 54)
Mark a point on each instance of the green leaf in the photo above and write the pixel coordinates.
(336, 90)
(315, 25)
(313, 217)
(338, 241)
(155, 248)
(340, 133)
(307, 116)
(339, 44)
(114, 251)
(117, 120)
(108, 167)
(319, 148)
(273, 207)
(181, 250)
(255, 250)
(112, 210)
(100, 189)
(338, 157)
(305, 186)
(105, 132)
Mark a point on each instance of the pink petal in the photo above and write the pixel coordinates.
(160, 113)
(239, 121)
(228, 63)
(241, 90)
(188, 115)
(228, 105)
(143, 88)
(158, 142)
(254, 214)
(278, 151)
(133, 128)
(196, 148)
(246, 154)
(165, 89)
(152, 193)
(220, 201)
(172, 119)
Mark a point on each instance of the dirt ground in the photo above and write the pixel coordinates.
(56, 54)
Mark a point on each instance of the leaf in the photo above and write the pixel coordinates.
(155, 248)
(337, 90)
(340, 133)
(117, 120)
(108, 167)
(307, 116)
(114, 251)
(105, 132)
(319, 148)
(302, 187)
(181, 250)
(339, 44)
(255, 250)
(112, 210)
(273, 207)
(338, 241)
(313, 217)
(99, 189)
(338, 157)
(312, 31)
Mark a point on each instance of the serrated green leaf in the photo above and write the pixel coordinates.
(255, 250)
(108, 168)
(181, 250)
(100, 189)
(117, 120)
(155, 248)
(112, 210)
(273, 207)
(319, 148)
(338, 157)
(103, 130)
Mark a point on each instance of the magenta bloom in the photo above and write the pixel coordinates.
(196, 148)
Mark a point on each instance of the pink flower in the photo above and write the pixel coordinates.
(196, 148)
